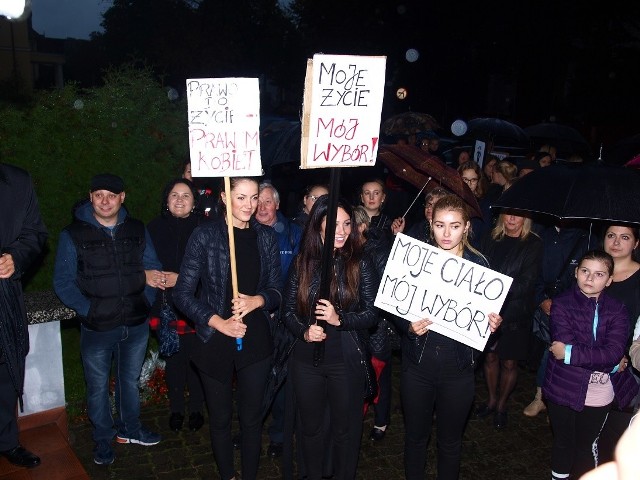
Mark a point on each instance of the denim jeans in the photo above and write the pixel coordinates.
(126, 347)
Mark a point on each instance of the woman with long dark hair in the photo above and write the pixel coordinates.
(437, 371)
(170, 232)
(204, 294)
(335, 378)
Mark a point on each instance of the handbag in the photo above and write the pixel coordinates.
(542, 326)
(169, 342)
(370, 382)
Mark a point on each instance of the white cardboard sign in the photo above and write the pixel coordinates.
(423, 281)
(342, 108)
(224, 127)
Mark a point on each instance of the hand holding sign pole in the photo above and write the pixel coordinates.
(224, 124)
(340, 128)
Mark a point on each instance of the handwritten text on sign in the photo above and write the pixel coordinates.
(423, 281)
(346, 105)
(224, 123)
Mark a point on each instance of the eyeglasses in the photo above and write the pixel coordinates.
(469, 181)
(313, 197)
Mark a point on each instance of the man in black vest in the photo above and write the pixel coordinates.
(22, 236)
(107, 270)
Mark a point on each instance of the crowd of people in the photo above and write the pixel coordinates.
(231, 303)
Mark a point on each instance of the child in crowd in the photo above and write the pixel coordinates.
(584, 372)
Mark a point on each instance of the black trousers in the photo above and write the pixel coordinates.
(180, 372)
(436, 383)
(341, 389)
(251, 381)
(575, 438)
(8, 403)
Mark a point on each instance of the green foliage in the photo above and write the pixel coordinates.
(64, 137)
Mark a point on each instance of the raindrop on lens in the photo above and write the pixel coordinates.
(172, 94)
(78, 104)
(412, 55)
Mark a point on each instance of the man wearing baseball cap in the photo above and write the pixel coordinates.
(107, 270)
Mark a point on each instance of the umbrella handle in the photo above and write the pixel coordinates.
(417, 196)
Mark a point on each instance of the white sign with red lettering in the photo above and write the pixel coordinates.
(342, 108)
(224, 127)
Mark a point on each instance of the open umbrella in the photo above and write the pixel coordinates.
(584, 192)
(280, 142)
(409, 123)
(416, 167)
(566, 139)
(505, 136)
(622, 151)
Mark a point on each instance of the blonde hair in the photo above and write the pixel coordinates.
(507, 169)
(456, 204)
(498, 232)
(361, 216)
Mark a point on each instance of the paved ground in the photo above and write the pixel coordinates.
(520, 452)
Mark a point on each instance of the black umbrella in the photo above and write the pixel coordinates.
(584, 192)
(283, 346)
(566, 139)
(280, 142)
(622, 151)
(505, 136)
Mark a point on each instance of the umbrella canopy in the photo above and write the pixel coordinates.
(280, 142)
(409, 123)
(622, 151)
(566, 139)
(505, 136)
(416, 167)
(585, 192)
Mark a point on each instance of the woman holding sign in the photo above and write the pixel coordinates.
(438, 372)
(203, 292)
(337, 379)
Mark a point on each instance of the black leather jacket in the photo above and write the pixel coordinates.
(356, 319)
(413, 345)
(201, 290)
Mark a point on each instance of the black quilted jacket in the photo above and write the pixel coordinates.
(201, 290)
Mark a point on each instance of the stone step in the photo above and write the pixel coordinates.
(58, 461)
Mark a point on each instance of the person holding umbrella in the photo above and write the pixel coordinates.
(438, 372)
(336, 378)
(22, 238)
(204, 293)
(621, 242)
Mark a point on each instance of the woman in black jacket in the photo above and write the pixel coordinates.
(204, 294)
(437, 371)
(335, 378)
(514, 250)
(170, 232)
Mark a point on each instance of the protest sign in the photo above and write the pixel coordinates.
(423, 281)
(224, 127)
(341, 111)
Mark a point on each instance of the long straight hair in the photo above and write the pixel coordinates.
(454, 203)
(498, 232)
(308, 261)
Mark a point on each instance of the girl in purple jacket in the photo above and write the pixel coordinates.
(589, 332)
